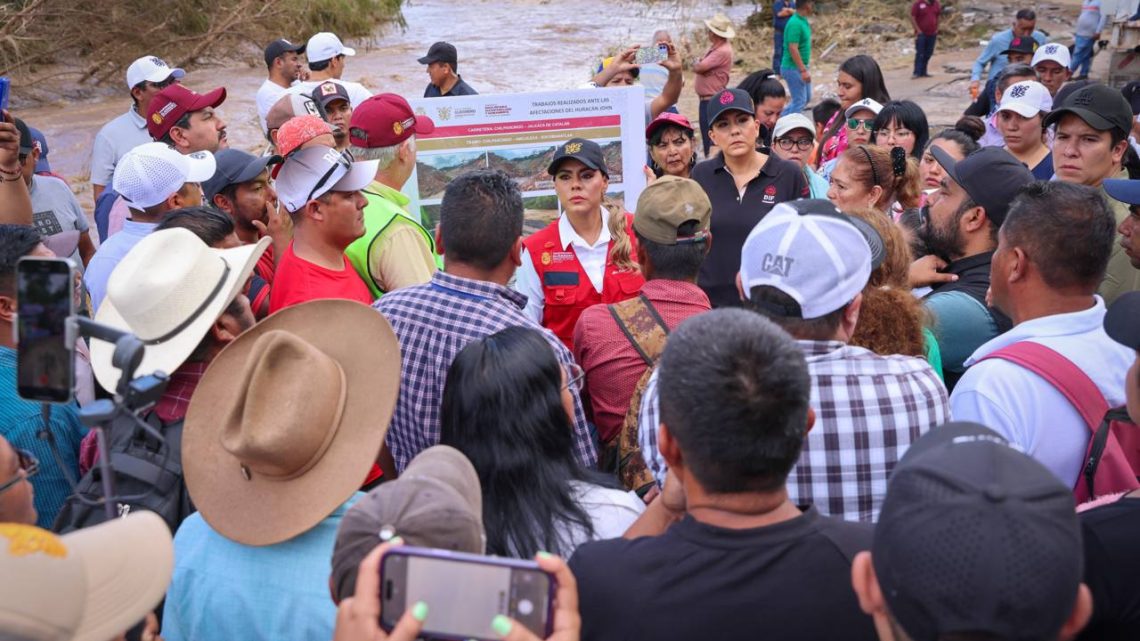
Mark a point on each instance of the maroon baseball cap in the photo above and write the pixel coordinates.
(385, 120)
(175, 101)
(667, 118)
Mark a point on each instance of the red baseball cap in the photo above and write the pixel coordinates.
(175, 101)
(667, 118)
(385, 120)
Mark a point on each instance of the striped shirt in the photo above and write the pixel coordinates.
(433, 322)
(20, 423)
(868, 410)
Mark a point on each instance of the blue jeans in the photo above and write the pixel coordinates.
(1082, 56)
(800, 91)
(923, 51)
(777, 49)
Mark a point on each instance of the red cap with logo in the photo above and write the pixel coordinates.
(175, 101)
(385, 120)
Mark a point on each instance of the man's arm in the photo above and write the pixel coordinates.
(794, 51)
(17, 203)
(86, 247)
(671, 91)
(711, 61)
(985, 58)
(913, 16)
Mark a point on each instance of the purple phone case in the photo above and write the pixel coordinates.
(498, 561)
(5, 86)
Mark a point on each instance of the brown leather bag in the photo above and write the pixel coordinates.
(647, 332)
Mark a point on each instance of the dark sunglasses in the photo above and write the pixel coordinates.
(344, 160)
(28, 463)
(854, 123)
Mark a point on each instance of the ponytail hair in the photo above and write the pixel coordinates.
(763, 84)
(621, 252)
(894, 171)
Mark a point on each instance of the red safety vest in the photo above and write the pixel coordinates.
(567, 289)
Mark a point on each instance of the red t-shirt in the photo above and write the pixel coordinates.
(925, 14)
(296, 280)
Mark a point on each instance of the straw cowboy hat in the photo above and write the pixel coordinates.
(168, 291)
(289, 418)
(721, 26)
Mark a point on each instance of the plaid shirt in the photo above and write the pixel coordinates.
(868, 410)
(434, 322)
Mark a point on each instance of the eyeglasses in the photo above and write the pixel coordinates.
(29, 465)
(574, 376)
(344, 159)
(854, 124)
(897, 134)
(787, 143)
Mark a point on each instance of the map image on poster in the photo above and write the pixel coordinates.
(518, 134)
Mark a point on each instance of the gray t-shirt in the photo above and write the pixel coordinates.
(114, 140)
(55, 209)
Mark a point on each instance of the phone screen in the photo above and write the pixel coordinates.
(5, 86)
(463, 596)
(45, 363)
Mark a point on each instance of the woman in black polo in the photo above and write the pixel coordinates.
(743, 185)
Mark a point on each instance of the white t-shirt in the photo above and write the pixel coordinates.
(267, 96)
(611, 513)
(592, 257)
(356, 91)
(1027, 410)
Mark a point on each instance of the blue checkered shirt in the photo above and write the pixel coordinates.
(868, 410)
(434, 322)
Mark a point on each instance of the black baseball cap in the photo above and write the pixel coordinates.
(278, 48)
(1021, 45)
(587, 152)
(991, 176)
(329, 91)
(441, 52)
(976, 536)
(1131, 93)
(730, 100)
(27, 143)
(234, 168)
(1120, 320)
(1101, 106)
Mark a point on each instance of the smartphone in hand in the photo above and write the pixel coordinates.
(465, 592)
(45, 361)
(651, 55)
(5, 85)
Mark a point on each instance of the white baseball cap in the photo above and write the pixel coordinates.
(1027, 99)
(791, 122)
(90, 585)
(812, 252)
(1058, 53)
(867, 103)
(150, 173)
(326, 46)
(313, 172)
(151, 69)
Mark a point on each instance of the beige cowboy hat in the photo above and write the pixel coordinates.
(168, 291)
(289, 418)
(721, 26)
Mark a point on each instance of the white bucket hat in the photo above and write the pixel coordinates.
(168, 291)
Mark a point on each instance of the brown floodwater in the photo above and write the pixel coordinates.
(504, 46)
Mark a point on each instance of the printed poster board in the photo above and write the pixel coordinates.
(518, 134)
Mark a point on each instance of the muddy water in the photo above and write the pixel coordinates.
(504, 46)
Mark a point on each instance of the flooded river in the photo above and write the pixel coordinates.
(504, 46)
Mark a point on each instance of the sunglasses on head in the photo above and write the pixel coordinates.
(855, 123)
(344, 159)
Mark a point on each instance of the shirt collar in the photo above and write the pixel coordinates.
(813, 348)
(138, 227)
(477, 288)
(677, 291)
(963, 265)
(765, 169)
(137, 118)
(1056, 325)
(567, 236)
(388, 193)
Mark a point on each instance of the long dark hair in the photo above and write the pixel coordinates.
(502, 407)
(864, 69)
(760, 85)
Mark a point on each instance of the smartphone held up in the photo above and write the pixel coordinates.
(45, 364)
(651, 55)
(474, 588)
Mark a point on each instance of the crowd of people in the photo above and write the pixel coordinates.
(837, 372)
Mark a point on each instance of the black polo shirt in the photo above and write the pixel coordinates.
(734, 216)
(460, 89)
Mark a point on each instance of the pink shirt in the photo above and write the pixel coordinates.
(712, 70)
